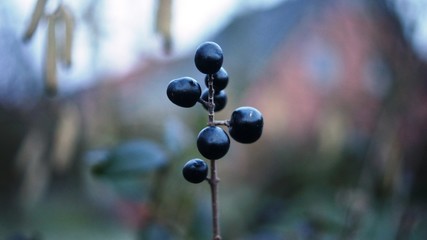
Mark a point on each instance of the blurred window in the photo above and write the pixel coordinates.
(323, 64)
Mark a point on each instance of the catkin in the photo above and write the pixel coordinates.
(51, 81)
(35, 19)
(163, 23)
(68, 21)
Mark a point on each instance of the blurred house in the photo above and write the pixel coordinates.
(345, 80)
(344, 100)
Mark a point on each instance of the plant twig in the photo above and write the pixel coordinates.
(211, 103)
(203, 102)
(213, 180)
(224, 123)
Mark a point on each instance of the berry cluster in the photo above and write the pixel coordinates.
(244, 126)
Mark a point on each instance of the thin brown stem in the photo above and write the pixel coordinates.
(224, 123)
(213, 180)
(211, 103)
(204, 103)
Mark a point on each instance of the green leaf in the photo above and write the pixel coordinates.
(129, 159)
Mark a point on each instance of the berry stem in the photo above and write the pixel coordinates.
(213, 180)
(224, 123)
(204, 103)
(211, 103)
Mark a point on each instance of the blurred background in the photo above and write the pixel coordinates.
(91, 148)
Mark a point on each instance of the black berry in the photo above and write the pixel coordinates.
(195, 171)
(246, 125)
(220, 80)
(213, 142)
(220, 99)
(208, 58)
(184, 92)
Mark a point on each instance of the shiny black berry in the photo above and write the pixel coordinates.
(220, 80)
(208, 58)
(246, 125)
(184, 92)
(195, 171)
(213, 142)
(220, 99)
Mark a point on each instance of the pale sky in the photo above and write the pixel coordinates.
(127, 31)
